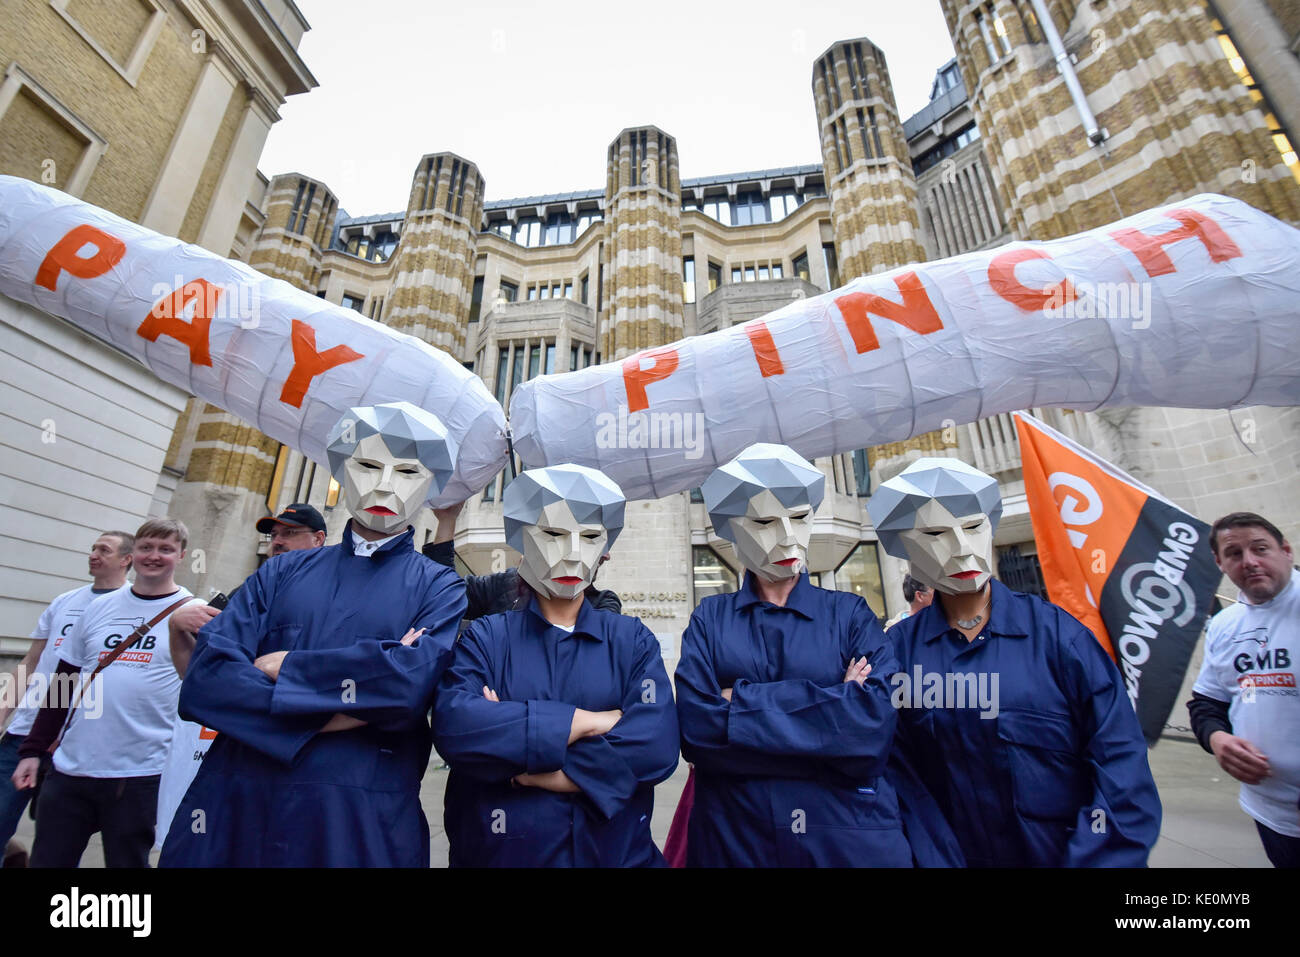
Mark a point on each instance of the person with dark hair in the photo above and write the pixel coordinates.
(504, 590)
(110, 560)
(1244, 708)
(917, 594)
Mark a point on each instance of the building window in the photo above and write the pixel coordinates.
(509, 291)
(688, 279)
(862, 473)
(532, 291)
(715, 276)
(568, 290)
(712, 575)
(987, 36)
(832, 265)
(528, 232)
(964, 136)
(476, 299)
(517, 362)
(1000, 29)
(860, 575)
(353, 302)
(585, 277)
(783, 203)
(559, 229)
(801, 267)
(749, 209)
(946, 79)
(1033, 32)
(297, 205)
(503, 366)
(718, 208)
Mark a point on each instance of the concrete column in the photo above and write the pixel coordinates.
(227, 206)
(174, 189)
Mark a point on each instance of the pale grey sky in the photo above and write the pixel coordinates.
(535, 93)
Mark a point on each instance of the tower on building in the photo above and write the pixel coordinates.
(868, 172)
(643, 247)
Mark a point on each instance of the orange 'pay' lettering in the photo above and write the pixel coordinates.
(308, 363)
(63, 257)
(166, 318)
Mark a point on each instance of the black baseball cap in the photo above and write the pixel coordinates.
(299, 514)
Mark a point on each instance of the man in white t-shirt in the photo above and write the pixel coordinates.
(1245, 706)
(106, 769)
(110, 559)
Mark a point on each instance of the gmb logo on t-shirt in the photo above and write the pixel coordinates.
(119, 630)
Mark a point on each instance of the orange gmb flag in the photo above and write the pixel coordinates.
(1083, 511)
(1133, 567)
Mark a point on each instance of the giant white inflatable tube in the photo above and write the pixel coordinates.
(279, 358)
(1193, 305)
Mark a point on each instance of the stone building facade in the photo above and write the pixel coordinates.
(156, 110)
(1173, 97)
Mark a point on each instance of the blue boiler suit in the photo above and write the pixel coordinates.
(1059, 777)
(793, 772)
(273, 791)
(541, 673)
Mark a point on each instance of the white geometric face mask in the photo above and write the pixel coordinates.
(950, 553)
(561, 554)
(381, 491)
(771, 539)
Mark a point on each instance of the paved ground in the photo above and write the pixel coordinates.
(1203, 826)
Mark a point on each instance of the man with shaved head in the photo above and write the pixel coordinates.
(557, 719)
(1016, 718)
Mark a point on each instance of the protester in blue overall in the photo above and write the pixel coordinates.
(320, 673)
(1016, 718)
(557, 720)
(782, 696)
